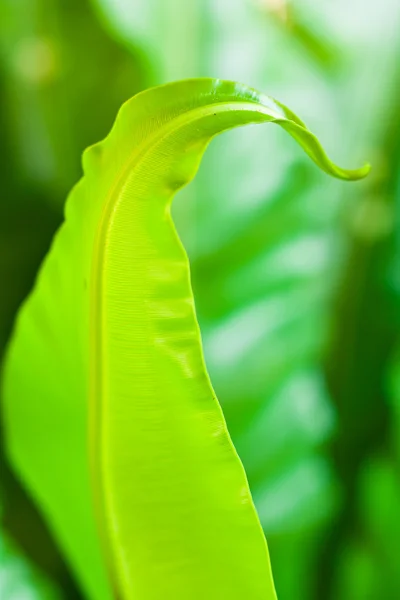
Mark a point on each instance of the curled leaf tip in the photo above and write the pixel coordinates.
(357, 174)
(364, 171)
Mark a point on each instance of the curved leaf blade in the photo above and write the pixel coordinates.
(109, 339)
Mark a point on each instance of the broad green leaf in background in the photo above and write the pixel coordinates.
(18, 579)
(44, 61)
(369, 566)
(109, 340)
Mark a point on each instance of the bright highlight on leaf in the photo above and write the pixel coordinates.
(108, 343)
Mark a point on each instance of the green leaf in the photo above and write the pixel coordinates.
(248, 241)
(109, 341)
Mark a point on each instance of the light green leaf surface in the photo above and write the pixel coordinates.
(109, 341)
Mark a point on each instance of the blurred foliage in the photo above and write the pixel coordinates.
(296, 277)
(18, 580)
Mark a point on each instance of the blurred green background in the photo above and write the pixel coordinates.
(296, 276)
